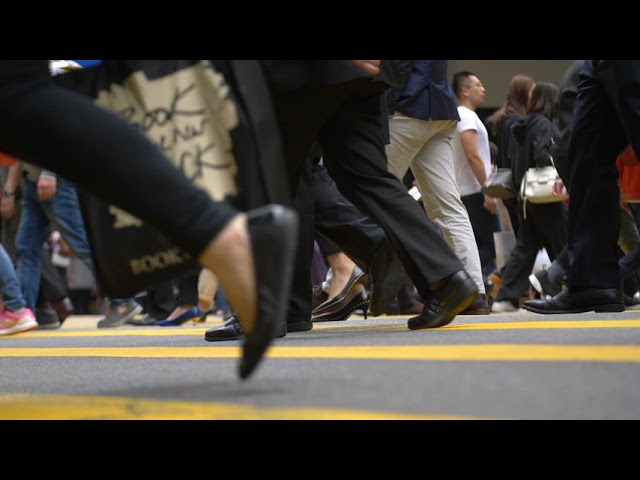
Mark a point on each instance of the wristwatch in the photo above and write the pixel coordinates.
(8, 194)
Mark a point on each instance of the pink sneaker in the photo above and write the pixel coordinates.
(17, 322)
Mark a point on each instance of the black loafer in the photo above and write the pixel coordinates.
(343, 310)
(345, 296)
(273, 231)
(442, 305)
(587, 300)
(299, 326)
(232, 330)
(386, 275)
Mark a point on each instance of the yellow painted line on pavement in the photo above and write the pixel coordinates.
(545, 325)
(60, 407)
(495, 352)
(361, 325)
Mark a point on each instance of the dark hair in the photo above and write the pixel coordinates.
(515, 103)
(460, 80)
(543, 99)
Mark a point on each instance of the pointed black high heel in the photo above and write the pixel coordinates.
(345, 296)
(342, 311)
(273, 232)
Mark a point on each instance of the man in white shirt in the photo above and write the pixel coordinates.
(472, 162)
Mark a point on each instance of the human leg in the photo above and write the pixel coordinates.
(355, 157)
(432, 167)
(352, 232)
(597, 138)
(246, 251)
(15, 316)
(33, 230)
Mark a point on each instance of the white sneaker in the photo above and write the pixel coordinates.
(503, 306)
(17, 322)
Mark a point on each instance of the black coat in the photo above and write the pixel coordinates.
(534, 141)
(287, 75)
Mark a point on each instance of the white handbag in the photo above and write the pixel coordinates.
(537, 186)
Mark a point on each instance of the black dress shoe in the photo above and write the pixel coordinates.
(479, 306)
(232, 330)
(343, 310)
(442, 305)
(273, 232)
(299, 326)
(344, 297)
(386, 275)
(587, 300)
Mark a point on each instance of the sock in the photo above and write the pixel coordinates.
(555, 271)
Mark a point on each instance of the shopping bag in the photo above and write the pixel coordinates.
(186, 108)
(499, 184)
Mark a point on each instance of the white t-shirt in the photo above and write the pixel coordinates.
(467, 183)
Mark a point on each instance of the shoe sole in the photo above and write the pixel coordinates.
(341, 315)
(49, 326)
(24, 327)
(462, 304)
(608, 308)
(299, 326)
(479, 311)
(211, 338)
(123, 320)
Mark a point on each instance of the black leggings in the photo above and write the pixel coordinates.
(101, 153)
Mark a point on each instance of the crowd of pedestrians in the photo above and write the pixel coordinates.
(370, 124)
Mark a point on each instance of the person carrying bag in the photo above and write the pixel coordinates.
(542, 225)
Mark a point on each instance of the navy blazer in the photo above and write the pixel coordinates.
(427, 93)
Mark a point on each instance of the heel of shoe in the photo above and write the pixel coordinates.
(361, 300)
(611, 308)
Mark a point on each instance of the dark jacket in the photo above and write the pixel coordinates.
(426, 93)
(505, 142)
(534, 140)
(563, 113)
(287, 75)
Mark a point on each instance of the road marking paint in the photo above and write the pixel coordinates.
(60, 407)
(473, 352)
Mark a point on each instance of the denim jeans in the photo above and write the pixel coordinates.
(9, 284)
(62, 211)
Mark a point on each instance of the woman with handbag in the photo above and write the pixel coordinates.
(541, 225)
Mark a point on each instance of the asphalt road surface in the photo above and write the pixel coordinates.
(521, 366)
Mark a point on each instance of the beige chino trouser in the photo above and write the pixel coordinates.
(426, 148)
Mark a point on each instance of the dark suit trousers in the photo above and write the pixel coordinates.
(545, 226)
(598, 137)
(347, 122)
(339, 225)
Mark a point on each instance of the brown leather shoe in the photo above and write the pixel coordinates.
(480, 306)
